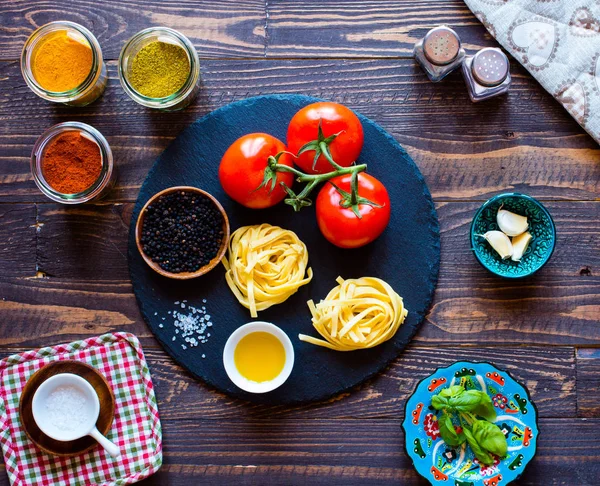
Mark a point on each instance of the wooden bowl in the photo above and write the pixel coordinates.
(74, 447)
(183, 275)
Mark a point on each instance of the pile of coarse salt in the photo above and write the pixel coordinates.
(192, 324)
(66, 408)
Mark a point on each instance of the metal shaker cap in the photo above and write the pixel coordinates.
(441, 45)
(490, 66)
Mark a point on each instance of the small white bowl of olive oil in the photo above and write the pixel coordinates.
(258, 357)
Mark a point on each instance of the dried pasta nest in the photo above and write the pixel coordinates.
(357, 314)
(265, 265)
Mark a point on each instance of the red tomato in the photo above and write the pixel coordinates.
(340, 225)
(243, 166)
(334, 118)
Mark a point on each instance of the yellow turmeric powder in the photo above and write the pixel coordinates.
(61, 62)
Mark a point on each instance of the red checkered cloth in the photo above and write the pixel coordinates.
(136, 428)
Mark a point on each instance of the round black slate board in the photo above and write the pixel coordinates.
(407, 255)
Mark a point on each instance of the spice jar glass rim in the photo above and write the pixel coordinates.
(27, 62)
(140, 40)
(92, 192)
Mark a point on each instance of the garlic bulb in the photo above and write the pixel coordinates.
(499, 242)
(520, 244)
(511, 224)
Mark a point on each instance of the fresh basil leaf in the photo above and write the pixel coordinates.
(447, 431)
(465, 402)
(441, 400)
(490, 437)
(480, 453)
(485, 409)
(452, 391)
(438, 402)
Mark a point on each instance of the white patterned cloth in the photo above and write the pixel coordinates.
(558, 42)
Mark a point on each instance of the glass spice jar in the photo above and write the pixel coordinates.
(174, 101)
(93, 85)
(98, 189)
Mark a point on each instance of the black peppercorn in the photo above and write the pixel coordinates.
(182, 232)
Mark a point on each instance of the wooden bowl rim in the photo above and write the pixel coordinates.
(183, 275)
(110, 405)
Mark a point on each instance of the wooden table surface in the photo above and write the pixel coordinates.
(64, 276)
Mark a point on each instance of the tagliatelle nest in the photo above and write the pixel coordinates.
(265, 265)
(357, 314)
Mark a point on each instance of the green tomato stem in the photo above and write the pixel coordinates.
(318, 178)
(354, 193)
(298, 201)
(321, 147)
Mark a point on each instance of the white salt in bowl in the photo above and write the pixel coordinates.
(66, 407)
(229, 362)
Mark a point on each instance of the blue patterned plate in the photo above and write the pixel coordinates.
(541, 228)
(440, 464)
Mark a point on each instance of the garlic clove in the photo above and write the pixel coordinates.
(499, 242)
(510, 223)
(520, 244)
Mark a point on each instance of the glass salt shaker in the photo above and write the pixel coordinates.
(439, 52)
(486, 74)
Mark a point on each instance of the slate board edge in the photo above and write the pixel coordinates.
(433, 266)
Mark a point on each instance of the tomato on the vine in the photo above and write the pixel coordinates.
(340, 135)
(337, 219)
(242, 170)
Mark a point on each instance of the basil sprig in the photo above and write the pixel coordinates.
(448, 432)
(483, 436)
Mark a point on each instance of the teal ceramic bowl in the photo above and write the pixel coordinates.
(441, 464)
(541, 227)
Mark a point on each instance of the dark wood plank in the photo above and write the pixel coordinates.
(365, 28)
(84, 242)
(42, 310)
(18, 235)
(345, 452)
(225, 28)
(82, 252)
(465, 150)
(588, 380)
(559, 304)
(272, 452)
(35, 310)
(254, 28)
(548, 373)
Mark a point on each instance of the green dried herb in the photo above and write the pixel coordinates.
(159, 69)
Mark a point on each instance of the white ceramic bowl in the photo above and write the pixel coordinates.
(234, 374)
(52, 422)
(89, 412)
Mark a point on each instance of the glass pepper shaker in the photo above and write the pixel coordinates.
(439, 52)
(486, 74)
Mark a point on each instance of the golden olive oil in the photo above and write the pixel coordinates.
(259, 357)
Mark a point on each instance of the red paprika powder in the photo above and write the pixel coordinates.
(71, 163)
